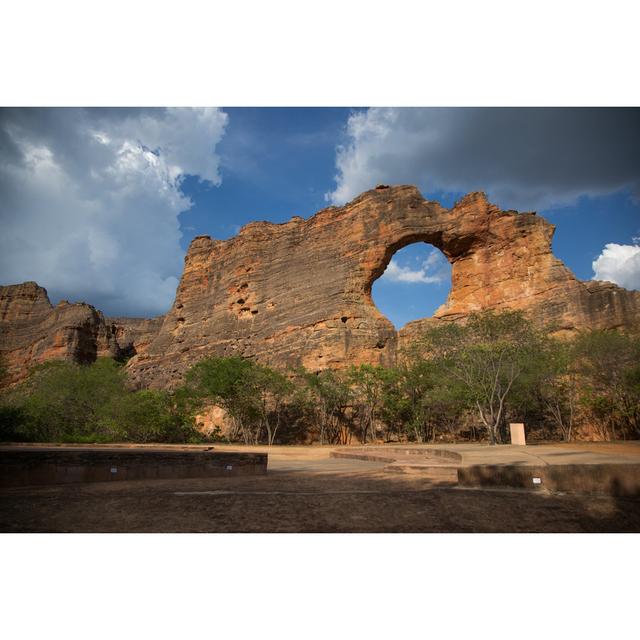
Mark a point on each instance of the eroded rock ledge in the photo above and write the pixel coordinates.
(32, 331)
(299, 293)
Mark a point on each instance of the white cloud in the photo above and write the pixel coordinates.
(91, 198)
(527, 159)
(619, 263)
(432, 271)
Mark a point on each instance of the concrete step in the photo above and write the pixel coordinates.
(437, 474)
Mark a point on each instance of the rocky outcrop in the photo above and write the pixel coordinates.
(32, 331)
(299, 293)
(133, 335)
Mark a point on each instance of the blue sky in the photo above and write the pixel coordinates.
(276, 163)
(100, 204)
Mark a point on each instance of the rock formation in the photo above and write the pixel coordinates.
(299, 293)
(133, 335)
(32, 331)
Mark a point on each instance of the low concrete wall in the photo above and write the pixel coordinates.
(44, 466)
(611, 479)
(390, 454)
(447, 454)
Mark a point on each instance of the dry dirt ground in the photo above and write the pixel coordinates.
(306, 491)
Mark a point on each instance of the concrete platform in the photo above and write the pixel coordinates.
(607, 468)
(611, 468)
(32, 465)
(306, 490)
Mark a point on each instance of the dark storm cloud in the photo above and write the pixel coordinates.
(525, 158)
(90, 200)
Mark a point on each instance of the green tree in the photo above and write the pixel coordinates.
(395, 407)
(434, 400)
(273, 390)
(486, 356)
(331, 397)
(367, 384)
(608, 364)
(147, 416)
(253, 395)
(558, 384)
(223, 382)
(66, 402)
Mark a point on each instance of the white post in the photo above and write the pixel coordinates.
(517, 433)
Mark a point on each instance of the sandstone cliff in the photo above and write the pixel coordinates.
(133, 335)
(299, 293)
(32, 331)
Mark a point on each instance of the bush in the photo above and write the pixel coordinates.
(146, 416)
(67, 402)
(496, 368)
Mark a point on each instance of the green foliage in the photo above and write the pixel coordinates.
(486, 361)
(609, 365)
(147, 416)
(435, 400)
(556, 385)
(66, 402)
(330, 398)
(12, 420)
(367, 384)
(495, 368)
(254, 396)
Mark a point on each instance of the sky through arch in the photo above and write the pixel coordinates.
(415, 283)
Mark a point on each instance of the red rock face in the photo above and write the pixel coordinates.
(32, 331)
(299, 293)
(133, 335)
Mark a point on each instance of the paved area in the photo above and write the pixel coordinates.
(299, 501)
(308, 491)
(318, 458)
(549, 454)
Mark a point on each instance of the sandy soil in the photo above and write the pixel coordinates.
(318, 495)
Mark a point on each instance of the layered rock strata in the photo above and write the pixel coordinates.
(33, 331)
(299, 293)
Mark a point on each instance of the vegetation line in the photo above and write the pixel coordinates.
(456, 382)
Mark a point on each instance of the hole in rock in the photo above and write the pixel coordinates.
(344, 318)
(415, 283)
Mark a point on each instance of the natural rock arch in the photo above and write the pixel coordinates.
(418, 293)
(299, 293)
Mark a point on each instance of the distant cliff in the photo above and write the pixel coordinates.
(32, 331)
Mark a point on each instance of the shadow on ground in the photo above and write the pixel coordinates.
(297, 501)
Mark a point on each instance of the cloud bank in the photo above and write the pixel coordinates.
(91, 198)
(619, 263)
(431, 271)
(526, 159)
